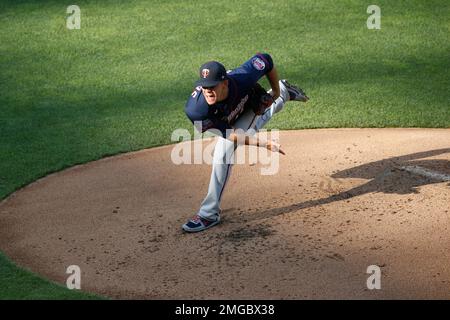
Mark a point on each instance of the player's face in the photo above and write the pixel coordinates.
(215, 94)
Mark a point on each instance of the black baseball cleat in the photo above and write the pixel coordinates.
(295, 93)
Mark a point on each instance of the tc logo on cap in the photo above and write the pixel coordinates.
(205, 73)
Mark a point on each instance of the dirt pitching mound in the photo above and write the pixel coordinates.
(343, 200)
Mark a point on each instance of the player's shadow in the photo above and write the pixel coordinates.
(385, 176)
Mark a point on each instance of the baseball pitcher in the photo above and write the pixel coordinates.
(226, 101)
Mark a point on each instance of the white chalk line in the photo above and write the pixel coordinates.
(426, 173)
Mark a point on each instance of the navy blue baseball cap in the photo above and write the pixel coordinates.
(211, 74)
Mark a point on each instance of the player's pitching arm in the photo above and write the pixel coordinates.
(242, 138)
(273, 78)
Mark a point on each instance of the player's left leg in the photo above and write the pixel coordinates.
(277, 106)
(288, 92)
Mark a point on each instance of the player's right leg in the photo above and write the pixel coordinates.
(288, 92)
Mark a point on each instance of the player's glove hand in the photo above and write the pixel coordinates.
(260, 100)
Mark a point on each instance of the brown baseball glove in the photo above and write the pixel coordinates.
(260, 100)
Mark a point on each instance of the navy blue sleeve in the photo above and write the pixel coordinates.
(259, 65)
(253, 69)
(267, 58)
